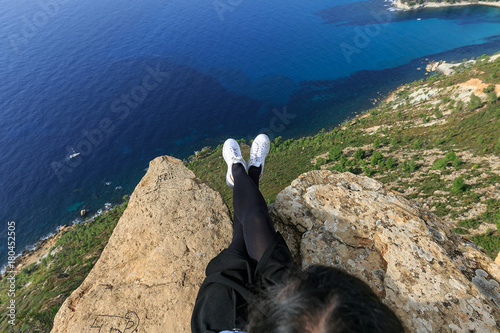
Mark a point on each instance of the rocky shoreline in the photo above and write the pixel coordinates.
(400, 5)
(447, 68)
(41, 248)
(36, 253)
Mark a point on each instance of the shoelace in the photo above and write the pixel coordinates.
(235, 153)
(256, 153)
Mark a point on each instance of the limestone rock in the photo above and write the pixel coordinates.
(497, 260)
(148, 275)
(435, 280)
(83, 212)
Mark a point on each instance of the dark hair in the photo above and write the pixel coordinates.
(321, 300)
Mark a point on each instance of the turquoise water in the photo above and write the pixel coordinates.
(122, 83)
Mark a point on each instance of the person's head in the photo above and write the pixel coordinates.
(321, 300)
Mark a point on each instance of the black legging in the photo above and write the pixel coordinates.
(253, 228)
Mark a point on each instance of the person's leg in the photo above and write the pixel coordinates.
(238, 241)
(254, 174)
(250, 209)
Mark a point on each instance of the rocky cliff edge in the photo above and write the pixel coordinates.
(148, 275)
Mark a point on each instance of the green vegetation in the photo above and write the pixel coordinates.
(417, 144)
(335, 152)
(409, 167)
(376, 158)
(489, 242)
(459, 185)
(390, 162)
(359, 154)
(42, 287)
(475, 102)
(490, 88)
(440, 164)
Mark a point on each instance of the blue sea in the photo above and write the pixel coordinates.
(122, 82)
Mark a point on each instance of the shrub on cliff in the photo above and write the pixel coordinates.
(389, 163)
(490, 243)
(376, 157)
(492, 97)
(319, 162)
(451, 156)
(475, 102)
(409, 166)
(456, 163)
(416, 144)
(368, 171)
(336, 153)
(489, 88)
(440, 164)
(459, 185)
(359, 154)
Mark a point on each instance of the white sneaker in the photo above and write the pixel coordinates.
(258, 152)
(232, 155)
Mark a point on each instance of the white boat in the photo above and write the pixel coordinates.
(75, 154)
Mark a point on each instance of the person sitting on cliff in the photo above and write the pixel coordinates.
(257, 269)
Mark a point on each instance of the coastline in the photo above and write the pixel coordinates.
(398, 4)
(39, 250)
(35, 252)
(446, 68)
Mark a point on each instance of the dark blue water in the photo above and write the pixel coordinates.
(122, 82)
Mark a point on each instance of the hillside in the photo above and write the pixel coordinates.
(435, 140)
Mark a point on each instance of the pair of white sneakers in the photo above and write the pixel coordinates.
(232, 155)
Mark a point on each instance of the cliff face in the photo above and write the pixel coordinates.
(148, 275)
(433, 279)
